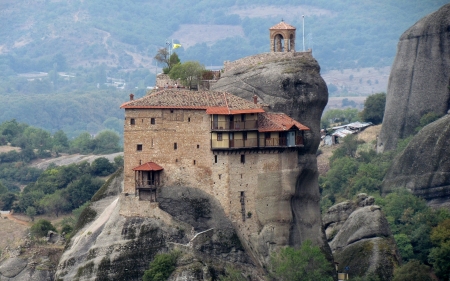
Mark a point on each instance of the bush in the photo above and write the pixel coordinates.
(413, 270)
(161, 267)
(306, 264)
(41, 228)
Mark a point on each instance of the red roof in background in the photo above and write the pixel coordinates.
(222, 102)
(149, 166)
(276, 122)
(282, 25)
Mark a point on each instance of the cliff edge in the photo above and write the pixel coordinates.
(420, 78)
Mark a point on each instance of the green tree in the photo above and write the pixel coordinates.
(82, 144)
(374, 108)
(102, 167)
(331, 116)
(413, 270)
(440, 255)
(106, 141)
(55, 203)
(31, 212)
(161, 267)
(41, 228)
(7, 201)
(306, 264)
(189, 72)
(3, 189)
(60, 142)
(404, 246)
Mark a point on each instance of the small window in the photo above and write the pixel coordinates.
(175, 146)
(139, 147)
(243, 117)
(219, 136)
(171, 111)
(152, 121)
(195, 162)
(132, 121)
(198, 146)
(189, 119)
(215, 158)
(242, 158)
(267, 135)
(220, 176)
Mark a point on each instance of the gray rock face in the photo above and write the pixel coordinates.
(114, 247)
(424, 166)
(420, 78)
(291, 84)
(361, 239)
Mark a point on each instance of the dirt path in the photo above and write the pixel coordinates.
(16, 220)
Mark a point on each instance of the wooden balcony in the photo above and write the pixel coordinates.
(234, 125)
(147, 184)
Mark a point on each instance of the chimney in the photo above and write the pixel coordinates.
(255, 99)
(131, 96)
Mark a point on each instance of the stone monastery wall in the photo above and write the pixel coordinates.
(264, 57)
(247, 183)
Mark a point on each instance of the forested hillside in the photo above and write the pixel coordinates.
(72, 50)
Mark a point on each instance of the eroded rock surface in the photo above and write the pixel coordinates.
(116, 247)
(424, 166)
(291, 84)
(420, 78)
(360, 238)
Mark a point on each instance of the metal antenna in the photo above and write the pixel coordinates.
(303, 16)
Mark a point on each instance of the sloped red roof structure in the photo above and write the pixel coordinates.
(277, 122)
(212, 102)
(149, 166)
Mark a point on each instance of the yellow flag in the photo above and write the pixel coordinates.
(176, 46)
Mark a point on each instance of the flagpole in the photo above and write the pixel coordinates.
(303, 32)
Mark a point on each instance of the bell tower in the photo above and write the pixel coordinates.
(282, 38)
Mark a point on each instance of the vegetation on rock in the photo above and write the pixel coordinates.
(306, 264)
(161, 267)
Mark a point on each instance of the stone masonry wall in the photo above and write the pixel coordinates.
(254, 187)
(263, 57)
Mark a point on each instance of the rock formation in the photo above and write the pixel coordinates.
(424, 166)
(116, 247)
(361, 239)
(289, 83)
(189, 220)
(420, 78)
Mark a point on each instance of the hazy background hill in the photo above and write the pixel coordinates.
(68, 64)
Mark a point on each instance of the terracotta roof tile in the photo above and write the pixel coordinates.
(276, 122)
(149, 166)
(214, 102)
(282, 25)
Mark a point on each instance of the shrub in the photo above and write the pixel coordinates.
(161, 267)
(41, 228)
(306, 264)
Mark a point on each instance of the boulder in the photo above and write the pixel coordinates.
(420, 78)
(360, 239)
(424, 166)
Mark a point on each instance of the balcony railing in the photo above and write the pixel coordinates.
(234, 125)
(253, 143)
(147, 184)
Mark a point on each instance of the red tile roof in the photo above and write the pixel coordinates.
(276, 122)
(282, 25)
(149, 166)
(212, 102)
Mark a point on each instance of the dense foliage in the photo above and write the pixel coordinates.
(161, 267)
(305, 264)
(374, 108)
(41, 228)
